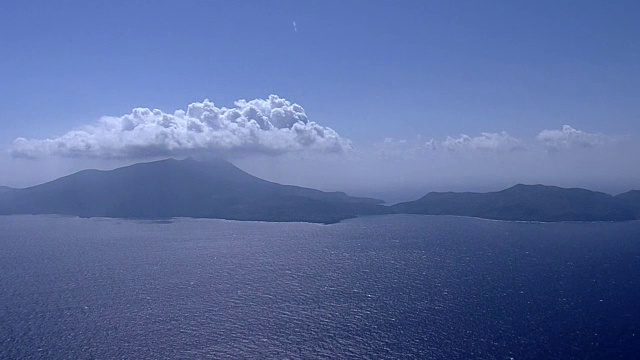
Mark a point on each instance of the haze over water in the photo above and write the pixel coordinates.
(374, 287)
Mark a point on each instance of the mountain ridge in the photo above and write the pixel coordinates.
(632, 200)
(524, 203)
(218, 189)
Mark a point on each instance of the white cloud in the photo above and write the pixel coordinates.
(490, 142)
(486, 141)
(272, 125)
(568, 137)
(394, 148)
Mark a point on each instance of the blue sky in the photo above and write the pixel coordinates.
(368, 70)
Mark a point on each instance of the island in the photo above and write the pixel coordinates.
(218, 189)
(632, 200)
(184, 188)
(524, 203)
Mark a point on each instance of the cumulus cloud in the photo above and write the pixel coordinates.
(486, 141)
(273, 125)
(568, 137)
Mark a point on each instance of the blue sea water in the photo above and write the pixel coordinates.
(374, 287)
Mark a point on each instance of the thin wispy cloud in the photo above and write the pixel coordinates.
(390, 148)
(486, 141)
(565, 138)
(295, 27)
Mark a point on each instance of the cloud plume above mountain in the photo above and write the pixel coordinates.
(273, 125)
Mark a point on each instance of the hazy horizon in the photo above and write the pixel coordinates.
(387, 100)
(390, 195)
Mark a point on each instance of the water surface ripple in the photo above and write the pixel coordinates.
(370, 288)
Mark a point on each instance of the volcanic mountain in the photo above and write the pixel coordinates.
(184, 188)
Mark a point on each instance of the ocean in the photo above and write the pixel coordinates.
(397, 287)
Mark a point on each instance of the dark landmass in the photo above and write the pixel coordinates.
(526, 203)
(217, 189)
(184, 188)
(5, 188)
(632, 200)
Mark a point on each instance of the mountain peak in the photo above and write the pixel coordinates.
(521, 186)
(166, 188)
